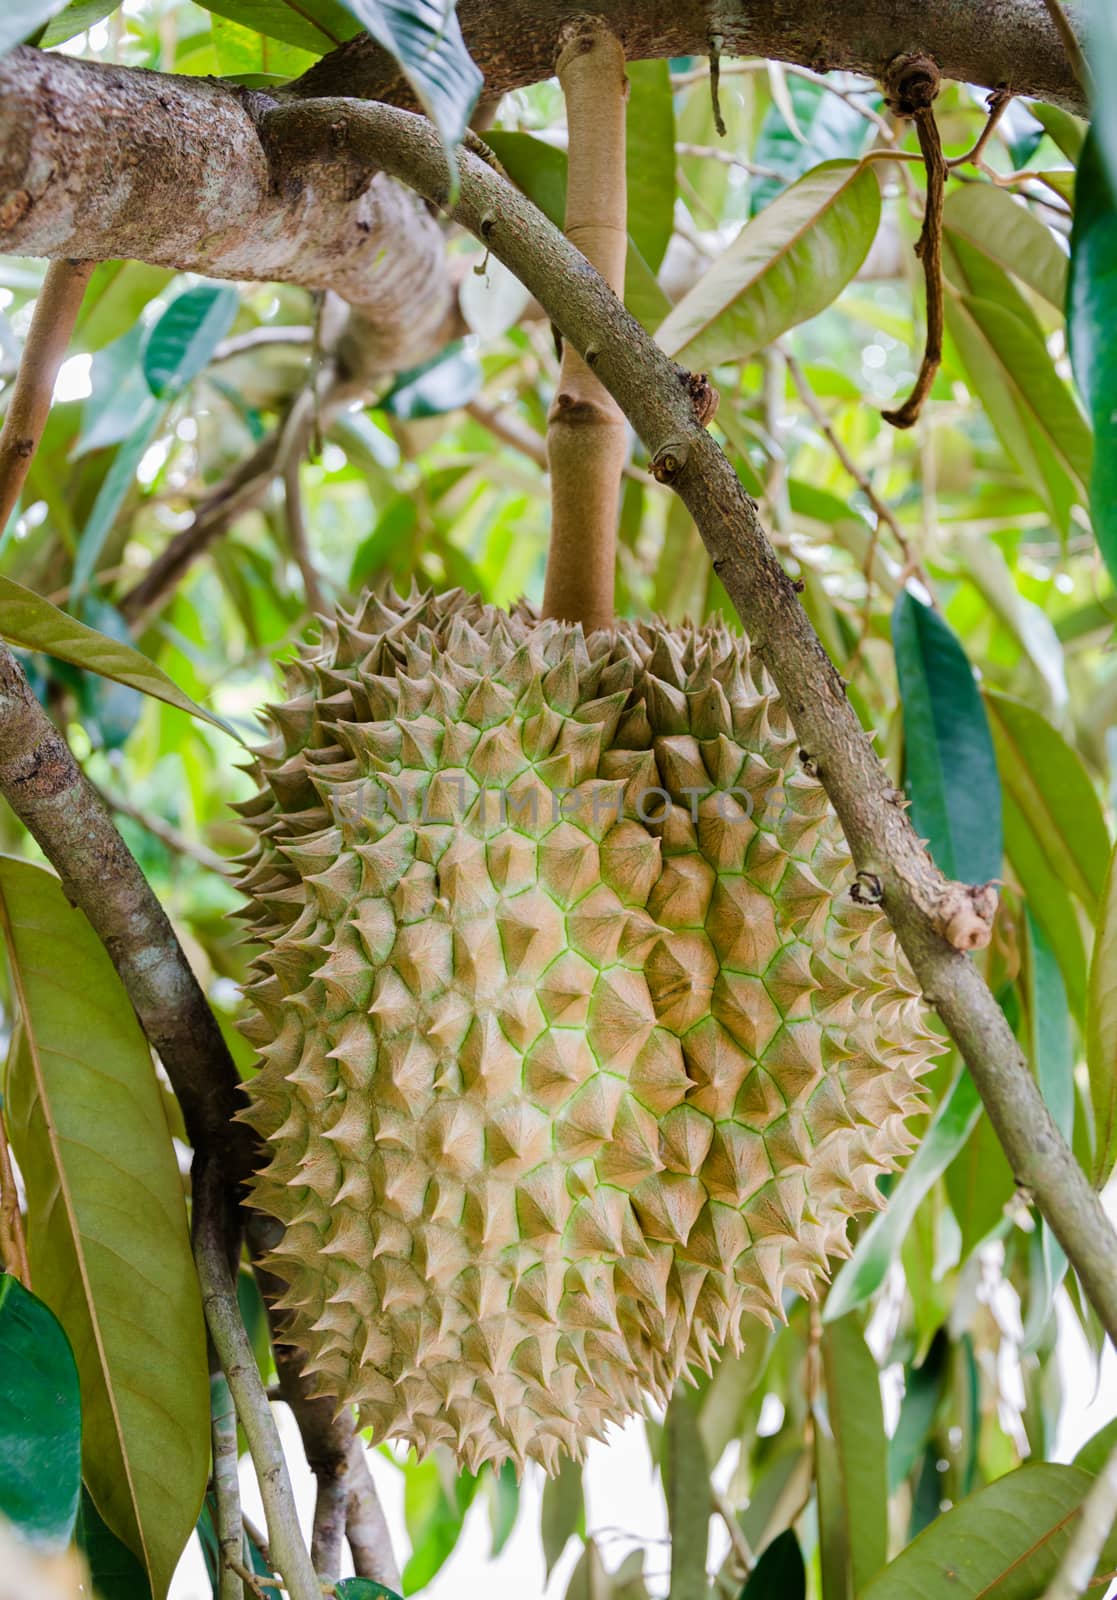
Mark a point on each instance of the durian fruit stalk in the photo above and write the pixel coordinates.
(576, 1048)
(586, 434)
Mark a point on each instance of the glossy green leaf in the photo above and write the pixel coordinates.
(318, 28)
(1049, 900)
(949, 766)
(856, 1420)
(363, 1589)
(110, 1252)
(780, 1573)
(1091, 315)
(828, 128)
(426, 40)
(444, 384)
(1003, 227)
(784, 267)
(650, 159)
(113, 492)
(879, 1243)
(76, 18)
(433, 1519)
(21, 18)
(686, 1486)
(1098, 1448)
(182, 342)
(40, 1420)
(1062, 127)
(116, 1573)
(1053, 791)
(564, 1510)
(1101, 34)
(26, 619)
(979, 1184)
(1101, 1030)
(1002, 1543)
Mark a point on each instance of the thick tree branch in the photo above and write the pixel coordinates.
(58, 805)
(936, 920)
(999, 44)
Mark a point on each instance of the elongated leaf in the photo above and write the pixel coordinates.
(979, 1184)
(949, 765)
(40, 1420)
(1049, 901)
(76, 18)
(183, 340)
(880, 1242)
(923, 1390)
(1062, 127)
(20, 19)
(564, 1510)
(318, 28)
(856, 1419)
(116, 1573)
(504, 1505)
(1027, 622)
(650, 159)
(780, 1573)
(1101, 32)
(1101, 1031)
(112, 494)
(993, 221)
(434, 1521)
(686, 1485)
(1053, 792)
(363, 1589)
(784, 267)
(829, 128)
(1091, 315)
(26, 619)
(1002, 1543)
(426, 40)
(110, 1253)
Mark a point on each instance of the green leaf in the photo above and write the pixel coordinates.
(504, 1505)
(780, 1573)
(1098, 1448)
(243, 52)
(950, 768)
(112, 494)
(27, 620)
(1101, 33)
(979, 1184)
(363, 1589)
(183, 340)
(1049, 783)
(433, 1522)
(426, 40)
(317, 28)
(879, 1243)
(589, 1580)
(1101, 1031)
(446, 383)
(40, 1420)
(1028, 623)
(564, 1511)
(649, 160)
(21, 18)
(784, 267)
(1049, 901)
(118, 394)
(856, 1420)
(831, 129)
(1002, 1543)
(375, 553)
(114, 301)
(686, 1485)
(116, 1573)
(76, 18)
(1091, 315)
(1062, 127)
(923, 1390)
(110, 1252)
(1002, 227)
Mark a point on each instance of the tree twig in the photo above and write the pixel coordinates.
(300, 424)
(1095, 1523)
(998, 103)
(13, 1240)
(226, 1488)
(54, 800)
(231, 1342)
(52, 323)
(937, 921)
(912, 90)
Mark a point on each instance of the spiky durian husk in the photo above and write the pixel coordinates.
(553, 1100)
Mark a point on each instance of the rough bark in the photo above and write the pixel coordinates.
(101, 162)
(936, 921)
(1010, 44)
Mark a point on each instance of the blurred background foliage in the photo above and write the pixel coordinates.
(952, 572)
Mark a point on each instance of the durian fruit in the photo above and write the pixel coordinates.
(575, 1046)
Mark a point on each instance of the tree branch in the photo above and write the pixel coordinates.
(58, 805)
(1009, 44)
(56, 309)
(226, 1488)
(936, 921)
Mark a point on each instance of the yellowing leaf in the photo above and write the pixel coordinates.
(110, 1253)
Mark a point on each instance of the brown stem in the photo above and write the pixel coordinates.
(912, 90)
(56, 311)
(936, 921)
(586, 435)
(59, 806)
(298, 539)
